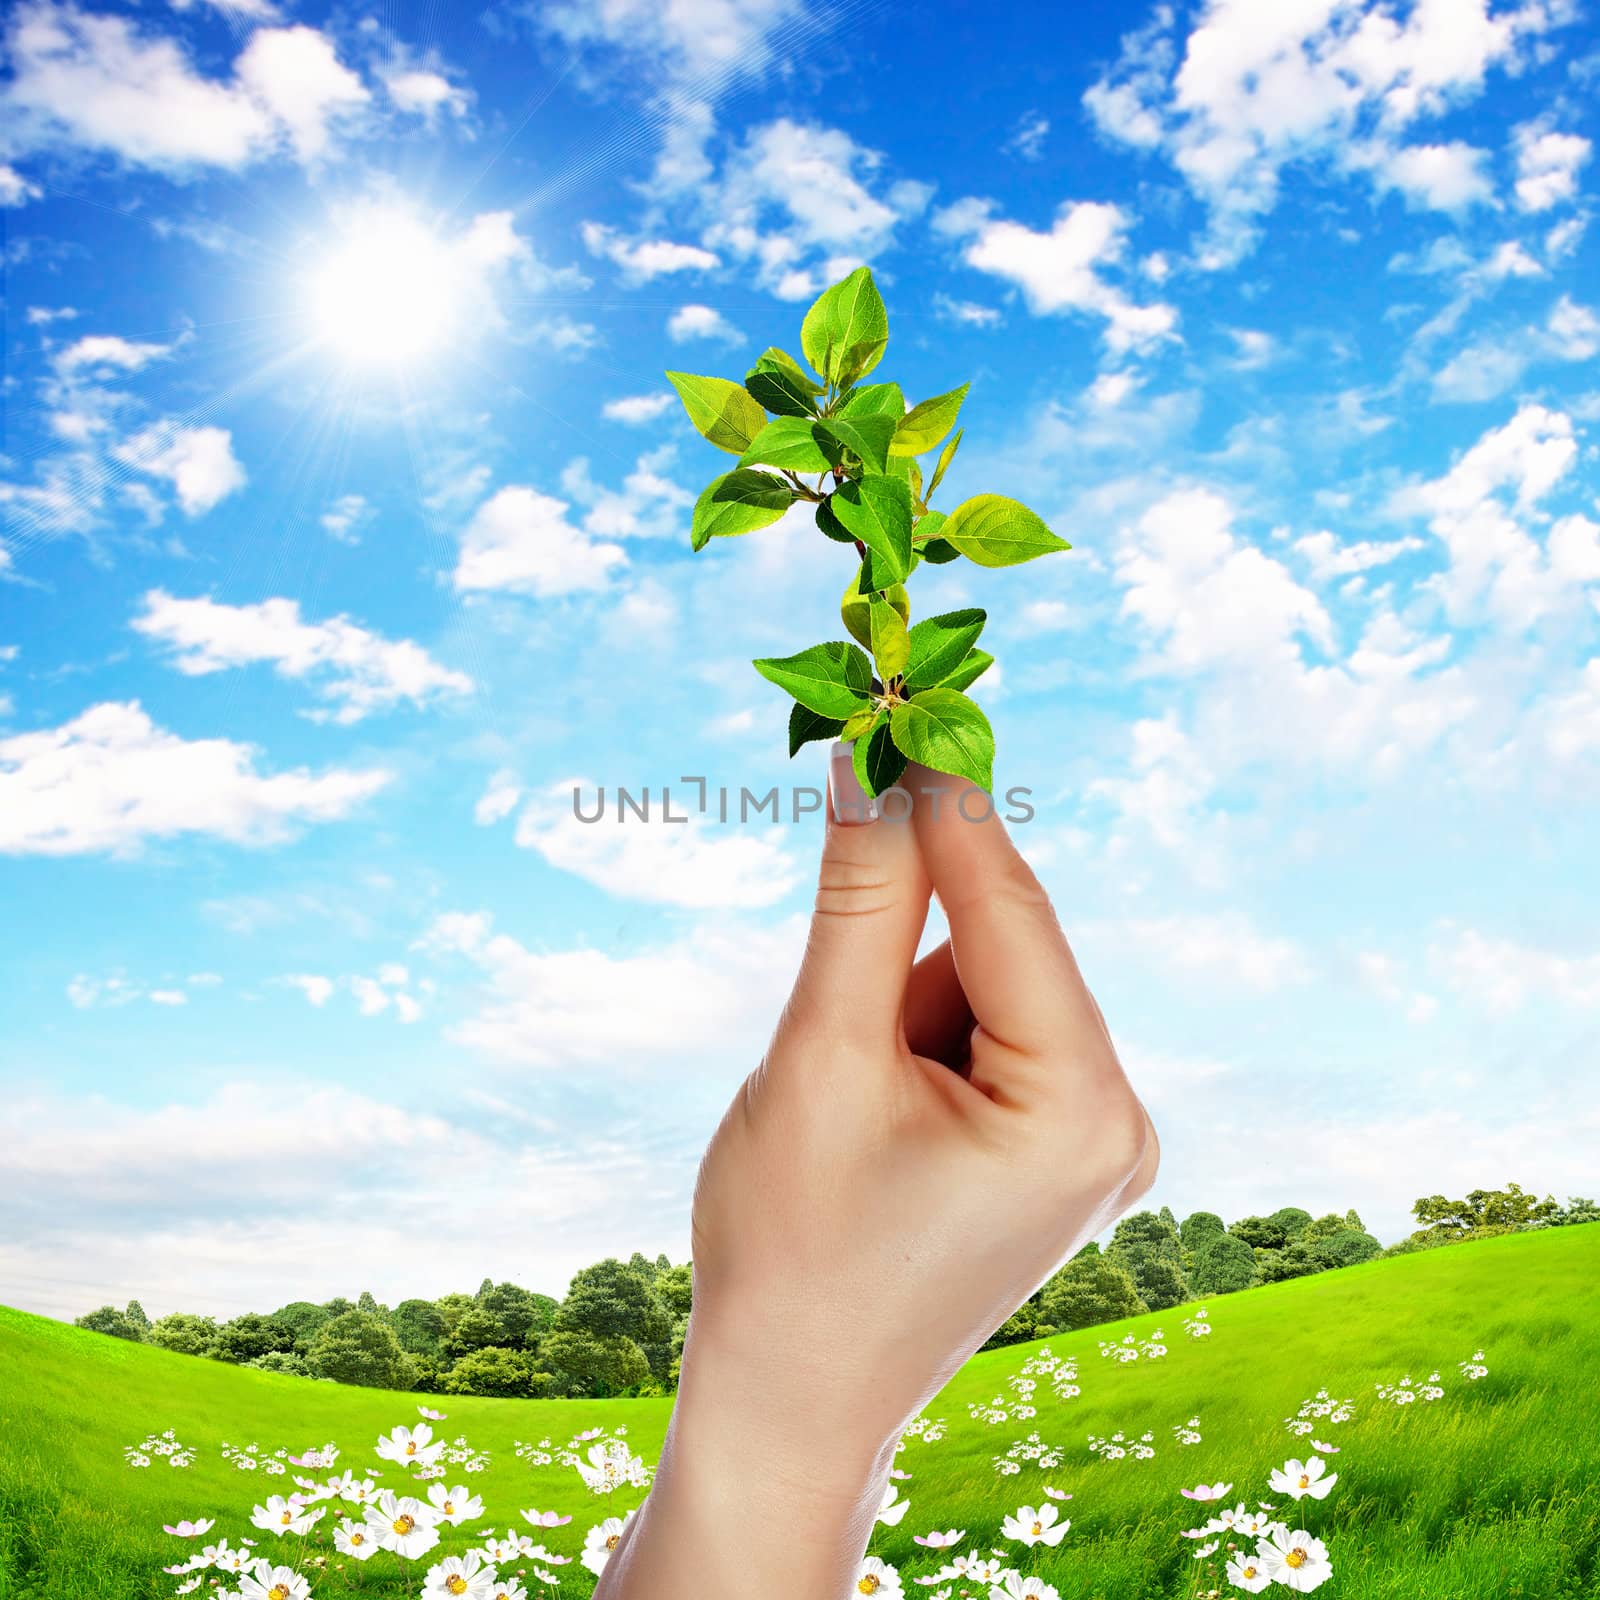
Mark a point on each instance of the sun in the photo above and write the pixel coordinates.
(388, 292)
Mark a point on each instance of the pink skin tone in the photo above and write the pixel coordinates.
(920, 1148)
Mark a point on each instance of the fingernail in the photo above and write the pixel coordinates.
(850, 803)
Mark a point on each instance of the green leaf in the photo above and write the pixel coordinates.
(876, 400)
(856, 608)
(930, 526)
(997, 532)
(937, 645)
(788, 442)
(938, 551)
(877, 760)
(946, 456)
(860, 722)
(927, 422)
(738, 502)
(845, 331)
(778, 382)
(868, 436)
(831, 679)
(941, 728)
(891, 644)
(970, 670)
(805, 725)
(831, 525)
(877, 511)
(725, 413)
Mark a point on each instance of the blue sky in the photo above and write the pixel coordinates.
(311, 983)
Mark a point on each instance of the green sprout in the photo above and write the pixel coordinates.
(861, 446)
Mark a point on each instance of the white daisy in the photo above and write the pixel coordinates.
(1295, 1559)
(1031, 1527)
(402, 1523)
(356, 1540)
(601, 1540)
(877, 1577)
(1302, 1479)
(1248, 1573)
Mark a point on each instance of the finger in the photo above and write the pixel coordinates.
(938, 1020)
(1013, 961)
(872, 899)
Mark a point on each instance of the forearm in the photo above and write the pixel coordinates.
(756, 1492)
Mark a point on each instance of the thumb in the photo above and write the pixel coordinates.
(872, 900)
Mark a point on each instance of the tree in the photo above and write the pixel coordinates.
(477, 1329)
(365, 1302)
(185, 1333)
(1146, 1245)
(1325, 1227)
(1260, 1233)
(1026, 1322)
(303, 1319)
(419, 1326)
(358, 1347)
(580, 1363)
(1198, 1228)
(252, 1335)
(1578, 1209)
(523, 1315)
(1293, 1221)
(284, 1361)
(452, 1307)
(610, 1300)
(337, 1306)
(135, 1315)
(1483, 1210)
(108, 1320)
(1089, 1289)
(1223, 1265)
(1346, 1247)
(495, 1370)
(675, 1290)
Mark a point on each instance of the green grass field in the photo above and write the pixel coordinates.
(1485, 1494)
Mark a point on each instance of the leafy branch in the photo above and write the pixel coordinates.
(898, 693)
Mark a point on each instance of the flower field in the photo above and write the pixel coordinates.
(1426, 1425)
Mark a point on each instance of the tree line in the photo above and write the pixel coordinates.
(620, 1328)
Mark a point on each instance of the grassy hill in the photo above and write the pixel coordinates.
(1487, 1493)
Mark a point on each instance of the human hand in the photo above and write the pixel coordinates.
(922, 1145)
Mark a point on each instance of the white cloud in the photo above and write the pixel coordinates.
(498, 800)
(425, 94)
(718, 987)
(1031, 132)
(644, 259)
(704, 43)
(198, 462)
(1479, 510)
(110, 780)
(701, 322)
(805, 204)
(100, 83)
(1060, 270)
(15, 190)
(965, 311)
(647, 506)
(636, 408)
(1502, 976)
(91, 1185)
(358, 671)
(1485, 369)
(1211, 598)
(317, 989)
(86, 993)
(346, 517)
(1548, 164)
(98, 355)
(521, 540)
(686, 862)
(1329, 557)
(1437, 177)
(1252, 89)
